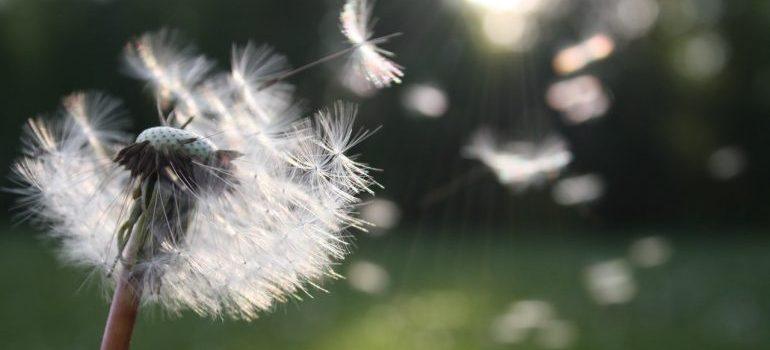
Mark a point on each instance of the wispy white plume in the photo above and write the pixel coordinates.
(172, 69)
(368, 60)
(275, 232)
(66, 181)
(253, 66)
(521, 164)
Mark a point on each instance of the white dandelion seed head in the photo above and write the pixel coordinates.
(368, 60)
(273, 229)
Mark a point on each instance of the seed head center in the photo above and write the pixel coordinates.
(177, 140)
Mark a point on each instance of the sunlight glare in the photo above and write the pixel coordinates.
(519, 6)
(509, 31)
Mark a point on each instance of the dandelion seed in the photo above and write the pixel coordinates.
(580, 99)
(426, 100)
(610, 282)
(578, 190)
(726, 163)
(521, 319)
(226, 212)
(650, 251)
(702, 57)
(633, 18)
(578, 56)
(368, 277)
(368, 60)
(520, 165)
(382, 214)
(556, 334)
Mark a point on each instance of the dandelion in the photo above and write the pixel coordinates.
(523, 164)
(368, 60)
(231, 205)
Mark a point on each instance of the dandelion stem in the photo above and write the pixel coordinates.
(123, 312)
(125, 300)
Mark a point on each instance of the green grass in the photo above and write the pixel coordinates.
(445, 291)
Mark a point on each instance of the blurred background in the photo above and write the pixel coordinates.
(559, 174)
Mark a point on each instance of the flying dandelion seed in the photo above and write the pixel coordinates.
(576, 57)
(532, 312)
(509, 329)
(523, 164)
(580, 99)
(634, 18)
(368, 60)
(726, 163)
(556, 334)
(702, 56)
(426, 100)
(578, 189)
(230, 206)
(368, 277)
(650, 251)
(532, 317)
(383, 214)
(610, 282)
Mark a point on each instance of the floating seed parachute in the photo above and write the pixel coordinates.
(368, 60)
(519, 165)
